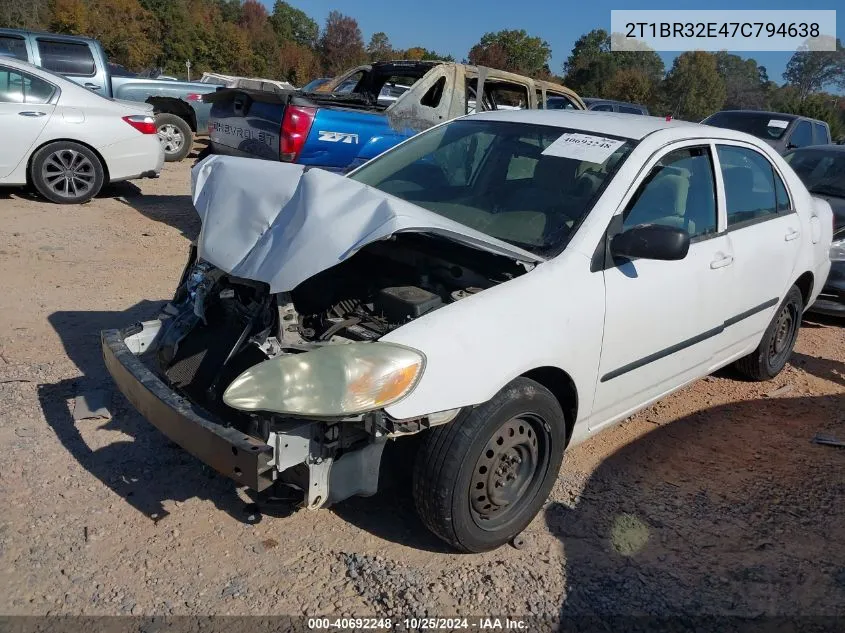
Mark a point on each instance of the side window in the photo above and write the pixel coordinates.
(14, 46)
(433, 95)
(680, 192)
(602, 107)
(16, 87)
(66, 58)
(350, 83)
(539, 95)
(821, 136)
(507, 96)
(752, 187)
(630, 110)
(802, 136)
(558, 101)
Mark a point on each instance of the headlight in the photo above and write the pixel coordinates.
(334, 380)
(837, 251)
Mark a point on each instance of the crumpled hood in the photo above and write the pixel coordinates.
(277, 223)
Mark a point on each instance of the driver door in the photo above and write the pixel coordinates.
(664, 319)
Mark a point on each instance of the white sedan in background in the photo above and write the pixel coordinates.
(68, 141)
(506, 284)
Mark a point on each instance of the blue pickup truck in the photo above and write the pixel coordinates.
(365, 111)
(178, 105)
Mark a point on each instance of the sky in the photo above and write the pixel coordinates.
(454, 26)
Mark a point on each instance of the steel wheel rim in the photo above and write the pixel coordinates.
(783, 334)
(68, 173)
(509, 471)
(171, 138)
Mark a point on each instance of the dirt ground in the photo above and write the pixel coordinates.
(714, 501)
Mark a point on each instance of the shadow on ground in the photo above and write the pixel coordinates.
(145, 469)
(730, 510)
(175, 210)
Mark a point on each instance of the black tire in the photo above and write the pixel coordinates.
(775, 348)
(66, 173)
(175, 135)
(453, 477)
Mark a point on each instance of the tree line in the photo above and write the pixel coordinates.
(242, 37)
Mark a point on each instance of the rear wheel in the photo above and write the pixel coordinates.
(481, 479)
(775, 348)
(175, 136)
(67, 172)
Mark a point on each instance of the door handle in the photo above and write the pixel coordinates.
(31, 113)
(721, 263)
(792, 235)
(91, 86)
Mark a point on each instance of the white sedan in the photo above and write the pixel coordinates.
(68, 141)
(506, 284)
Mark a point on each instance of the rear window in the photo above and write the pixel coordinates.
(802, 136)
(631, 110)
(13, 46)
(821, 136)
(763, 125)
(17, 87)
(66, 58)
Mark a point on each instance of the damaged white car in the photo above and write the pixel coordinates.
(507, 284)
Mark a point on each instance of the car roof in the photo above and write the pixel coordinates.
(764, 113)
(616, 101)
(23, 32)
(830, 147)
(632, 126)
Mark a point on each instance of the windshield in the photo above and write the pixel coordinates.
(504, 179)
(763, 125)
(822, 171)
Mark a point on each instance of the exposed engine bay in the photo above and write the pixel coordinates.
(222, 325)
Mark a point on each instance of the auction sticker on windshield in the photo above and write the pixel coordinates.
(778, 123)
(593, 149)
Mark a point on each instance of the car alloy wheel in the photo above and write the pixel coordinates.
(68, 173)
(171, 138)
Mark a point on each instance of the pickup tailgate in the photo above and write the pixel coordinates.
(246, 122)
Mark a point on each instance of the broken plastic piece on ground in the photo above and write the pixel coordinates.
(828, 440)
(92, 404)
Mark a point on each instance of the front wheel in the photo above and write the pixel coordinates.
(481, 479)
(175, 136)
(775, 348)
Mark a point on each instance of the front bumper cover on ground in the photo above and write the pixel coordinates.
(244, 459)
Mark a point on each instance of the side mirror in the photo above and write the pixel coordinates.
(651, 241)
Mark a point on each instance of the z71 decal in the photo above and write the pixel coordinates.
(338, 137)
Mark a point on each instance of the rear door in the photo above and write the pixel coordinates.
(26, 104)
(74, 60)
(764, 231)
